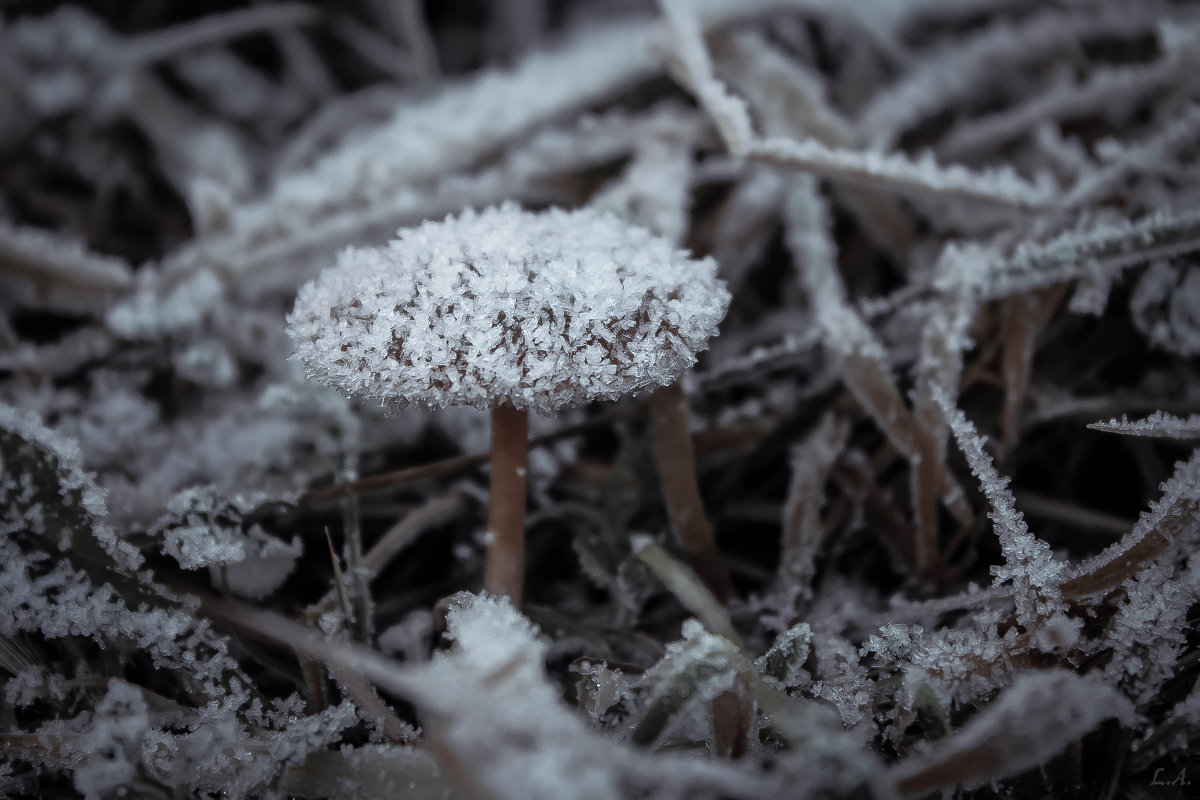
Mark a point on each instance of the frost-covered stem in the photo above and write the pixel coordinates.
(504, 571)
(675, 460)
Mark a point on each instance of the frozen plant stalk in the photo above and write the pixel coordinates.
(510, 311)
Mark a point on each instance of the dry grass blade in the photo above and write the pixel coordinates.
(687, 587)
(1170, 522)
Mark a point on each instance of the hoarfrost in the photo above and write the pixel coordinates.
(504, 306)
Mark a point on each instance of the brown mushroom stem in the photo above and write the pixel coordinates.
(504, 570)
(674, 457)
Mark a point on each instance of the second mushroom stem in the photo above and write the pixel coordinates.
(677, 469)
(504, 570)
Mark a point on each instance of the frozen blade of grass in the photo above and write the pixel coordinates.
(809, 726)
(893, 171)
(1102, 91)
(789, 100)
(211, 30)
(46, 270)
(944, 342)
(410, 20)
(452, 129)
(1029, 563)
(687, 587)
(654, 189)
(864, 366)
(365, 697)
(803, 533)
(1034, 718)
(787, 97)
(1159, 425)
(358, 581)
(1113, 571)
(59, 358)
(1090, 250)
(975, 62)
(921, 177)
(1150, 155)
(1169, 522)
(339, 582)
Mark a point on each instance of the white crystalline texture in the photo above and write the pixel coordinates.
(1160, 424)
(538, 311)
(195, 546)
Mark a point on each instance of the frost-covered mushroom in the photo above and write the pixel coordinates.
(508, 310)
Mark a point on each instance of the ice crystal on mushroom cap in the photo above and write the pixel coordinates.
(539, 311)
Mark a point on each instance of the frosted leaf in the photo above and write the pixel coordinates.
(784, 662)
(682, 685)
(205, 529)
(54, 495)
(538, 311)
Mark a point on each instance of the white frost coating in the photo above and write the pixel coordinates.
(71, 477)
(455, 127)
(489, 698)
(196, 546)
(1029, 564)
(921, 176)
(1160, 424)
(1094, 249)
(539, 311)
(42, 258)
(107, 757)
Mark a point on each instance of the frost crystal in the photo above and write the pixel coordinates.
(538, 311)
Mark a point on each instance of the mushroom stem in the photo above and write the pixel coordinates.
(504, 570)
(674, 457)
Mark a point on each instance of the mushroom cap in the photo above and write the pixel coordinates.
(504, 306)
